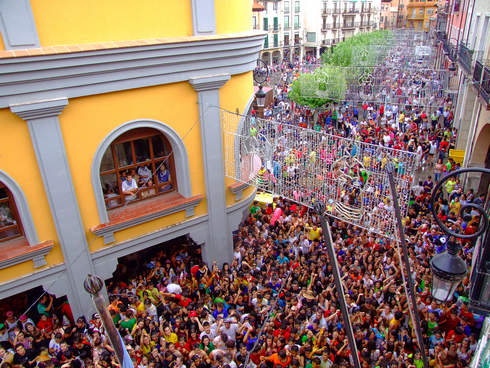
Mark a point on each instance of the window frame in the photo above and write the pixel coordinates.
(296, 22)
(153, 163)
(15, 215)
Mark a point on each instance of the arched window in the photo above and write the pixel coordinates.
(137, 165)
(10, 224)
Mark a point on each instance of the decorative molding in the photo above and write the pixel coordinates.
(23, 208)
(203, 17)
(180, 155)
(46, 277)
(148, 240)
(209, 82)
(237, 189)
(17, 25)
(39, 109)
(76, 74)
(36, 255)
(108, 231)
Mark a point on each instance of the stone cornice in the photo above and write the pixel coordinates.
(39, 109)
(76, 74)
(209, 82)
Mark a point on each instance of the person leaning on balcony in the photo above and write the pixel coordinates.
(129, 188)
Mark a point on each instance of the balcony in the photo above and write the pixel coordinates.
(327, 27)
(465, 56)
(350, 25)
(335, 26)
(481, 80)
(450, 50)
(336, 11)
(351, 11)
(327, 11)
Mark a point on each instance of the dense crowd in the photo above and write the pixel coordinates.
(275, 304)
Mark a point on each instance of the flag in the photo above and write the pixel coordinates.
(126, 361)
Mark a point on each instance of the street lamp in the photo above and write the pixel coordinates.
(448, 270)
(260, 97)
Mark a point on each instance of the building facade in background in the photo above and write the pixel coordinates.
(112, 134)
(419, 14)
(393, 14)
(299, 28)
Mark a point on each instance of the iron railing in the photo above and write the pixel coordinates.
(485, 84)
(465, 56)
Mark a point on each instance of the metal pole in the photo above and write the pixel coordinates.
(93, 285)
(320, 210)
(412, 302)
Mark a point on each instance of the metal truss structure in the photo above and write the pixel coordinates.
(308, 167)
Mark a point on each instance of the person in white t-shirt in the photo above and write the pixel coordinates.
(129, 188)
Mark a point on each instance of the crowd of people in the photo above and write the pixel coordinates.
(275, 305)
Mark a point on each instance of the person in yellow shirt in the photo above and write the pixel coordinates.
(169, 335)
(315, 232)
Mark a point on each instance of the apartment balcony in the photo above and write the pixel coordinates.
(450, 50)
(350, 25)
(336, 11)
(416, 16)
(327, 27)
(481, 80)
(350, 11)
(327, 11)
(367, 10)
(465, 56)
(336, 26)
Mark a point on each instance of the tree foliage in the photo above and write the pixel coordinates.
(329, 82)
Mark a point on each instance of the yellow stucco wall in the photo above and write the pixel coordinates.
(67, 22)
(18, 160)
(233, 16)
(86, 121)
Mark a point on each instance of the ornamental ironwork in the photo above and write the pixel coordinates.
(308, 166)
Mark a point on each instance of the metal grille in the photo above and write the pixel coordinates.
(307, 166)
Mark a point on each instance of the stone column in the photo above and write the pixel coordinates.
(219, 244)
(47, 140)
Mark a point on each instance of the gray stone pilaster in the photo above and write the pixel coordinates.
(203, 17)
(47, 140)
(219, 245)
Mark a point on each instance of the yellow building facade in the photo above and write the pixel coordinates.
(97, 98)
(419, 14)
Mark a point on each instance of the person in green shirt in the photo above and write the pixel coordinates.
(45, 305)
(255, 208)
(129, 321)
(206, 345)
(450, 185)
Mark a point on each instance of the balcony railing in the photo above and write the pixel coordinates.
(327, 11)
(465, 56)
(450, 50)
(481, 79)
(351, 11)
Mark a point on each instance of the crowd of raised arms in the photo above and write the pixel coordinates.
(275, 304)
